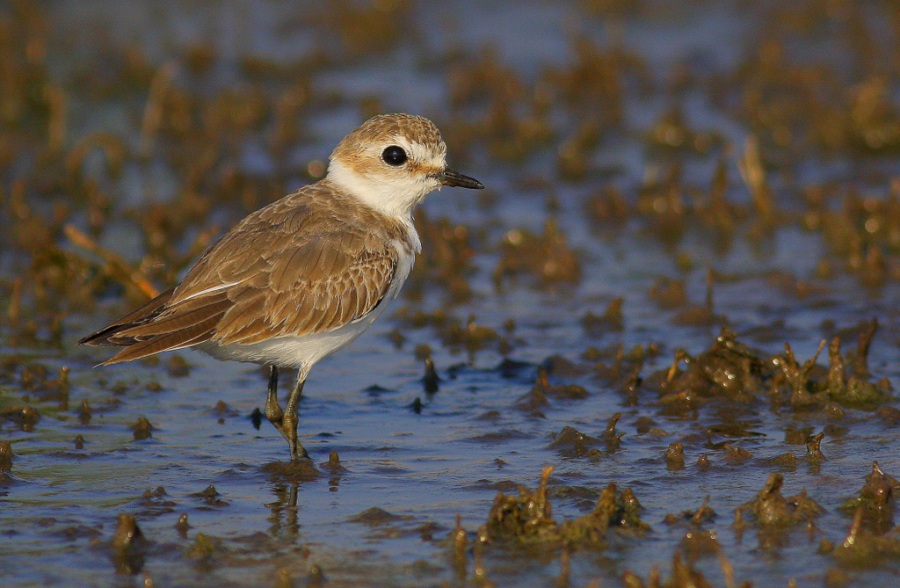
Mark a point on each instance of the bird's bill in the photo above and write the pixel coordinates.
(448, 177)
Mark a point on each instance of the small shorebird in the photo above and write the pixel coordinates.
(304, 276)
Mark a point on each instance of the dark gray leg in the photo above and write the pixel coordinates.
(286, 420)
(290, 420)
(273, 410)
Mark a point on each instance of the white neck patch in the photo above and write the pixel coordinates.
(392, 194)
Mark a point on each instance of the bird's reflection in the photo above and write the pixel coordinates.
(286, 478)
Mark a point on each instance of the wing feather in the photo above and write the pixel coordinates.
(308, 263)
(109, 335)
(186, 337)
(180, 317)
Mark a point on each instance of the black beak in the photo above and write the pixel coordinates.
(448, 177)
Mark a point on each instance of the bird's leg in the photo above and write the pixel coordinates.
(289, 421)
(286, 420)
(273, 409)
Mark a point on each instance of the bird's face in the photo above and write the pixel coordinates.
(392, 162)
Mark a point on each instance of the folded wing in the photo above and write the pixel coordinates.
(287, 269)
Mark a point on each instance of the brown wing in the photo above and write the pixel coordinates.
(317, 287)
(110, 335)
(168, 328)
(299, 266)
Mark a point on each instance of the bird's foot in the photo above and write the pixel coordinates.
(288, 429)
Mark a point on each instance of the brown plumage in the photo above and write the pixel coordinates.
(300, 278)
(299, 266)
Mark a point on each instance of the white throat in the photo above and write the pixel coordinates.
(392, 198)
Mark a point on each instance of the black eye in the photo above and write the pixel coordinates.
(394, 155)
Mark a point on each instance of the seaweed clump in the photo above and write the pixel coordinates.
(772, 510)
(546, 257)
(875, 503)
(862, 548)
(728, 369)
(846, 380)
(527, 519)
(732, 371)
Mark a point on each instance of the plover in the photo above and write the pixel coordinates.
(304, 276)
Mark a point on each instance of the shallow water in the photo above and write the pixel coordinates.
(385, 516)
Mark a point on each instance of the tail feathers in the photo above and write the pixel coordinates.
(156, 327)
(109, 335)
(180, 339)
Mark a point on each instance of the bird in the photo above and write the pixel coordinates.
(303, 276)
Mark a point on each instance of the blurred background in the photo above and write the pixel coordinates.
(682, 279)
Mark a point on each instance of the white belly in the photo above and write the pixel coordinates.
(292, 352)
